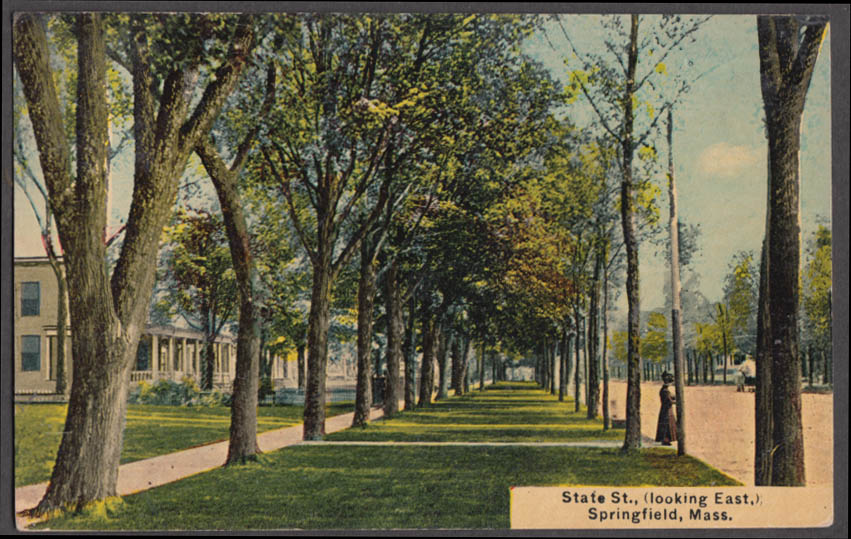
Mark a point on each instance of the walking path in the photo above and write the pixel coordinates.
(719, 421)
(589, 443)
(720, 428)
(149, 473)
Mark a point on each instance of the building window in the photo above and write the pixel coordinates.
(30, 353)
(30, 299)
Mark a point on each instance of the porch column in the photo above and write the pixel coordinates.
(289, 370)
(155, 357)
(181, 355)
(169, 361)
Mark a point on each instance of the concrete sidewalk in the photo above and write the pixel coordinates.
(149, 473)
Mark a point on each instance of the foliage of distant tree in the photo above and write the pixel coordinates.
(197, 280)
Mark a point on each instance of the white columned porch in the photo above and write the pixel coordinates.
(155, 357)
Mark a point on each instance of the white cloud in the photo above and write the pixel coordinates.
(724, 160)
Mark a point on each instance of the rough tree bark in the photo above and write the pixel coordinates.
(764, 417)
(326, 268)
(366, 304)
(444, 343)
(632, 437)
(562, 371)
(459, 363)
(409, 356)
(676, 321)
(301, 361)
(431, 336)
(207, 357)
(577, 377)
(787, 56)
(108, 314)
(395, 329)
(242, 444)
(482, 365)
(592, 363)
(554, 363)
(605, 362)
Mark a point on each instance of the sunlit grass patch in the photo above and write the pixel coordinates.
(151, 431)
(500, 414)
(321, 487)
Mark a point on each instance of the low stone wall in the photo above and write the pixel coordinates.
(46, 398)
(296, 396)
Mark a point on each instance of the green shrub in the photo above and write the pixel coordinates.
(214, 398)
(265, 388)
(166, 392)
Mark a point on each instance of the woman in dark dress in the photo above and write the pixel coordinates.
(666, 429)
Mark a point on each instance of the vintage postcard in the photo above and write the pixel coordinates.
(488, 268)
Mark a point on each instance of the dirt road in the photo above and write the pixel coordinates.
(720, 428)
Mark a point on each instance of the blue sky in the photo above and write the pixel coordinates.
(719, 149)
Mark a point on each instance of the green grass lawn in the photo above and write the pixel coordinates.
(505, 412)
(329, 486)
(151, 431)
(386, 487)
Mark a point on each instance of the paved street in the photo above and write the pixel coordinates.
(720, 428)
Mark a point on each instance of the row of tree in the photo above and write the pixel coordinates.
(415, 174)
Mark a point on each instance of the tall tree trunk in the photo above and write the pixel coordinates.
(459, 364)
(317, 349)
(586, 357)
(606, 411)
(482, 366)
(724, 346)
(243, 429)
(208, 357)
(61, 320)
(763, 442)
(577, 379)
(409, 351)
(494, 374)
(689, 367)
(811, 355)
(108, 314)
(444, 343)
(553, 379)
(632, 437)
(787, 57)
(393, 307)
(465, 365)
(301, 364)
(366, 301)
(676, 322)
(431, 338)
(712, 363)
(593, 338)
(242, 444)
(562, 370)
